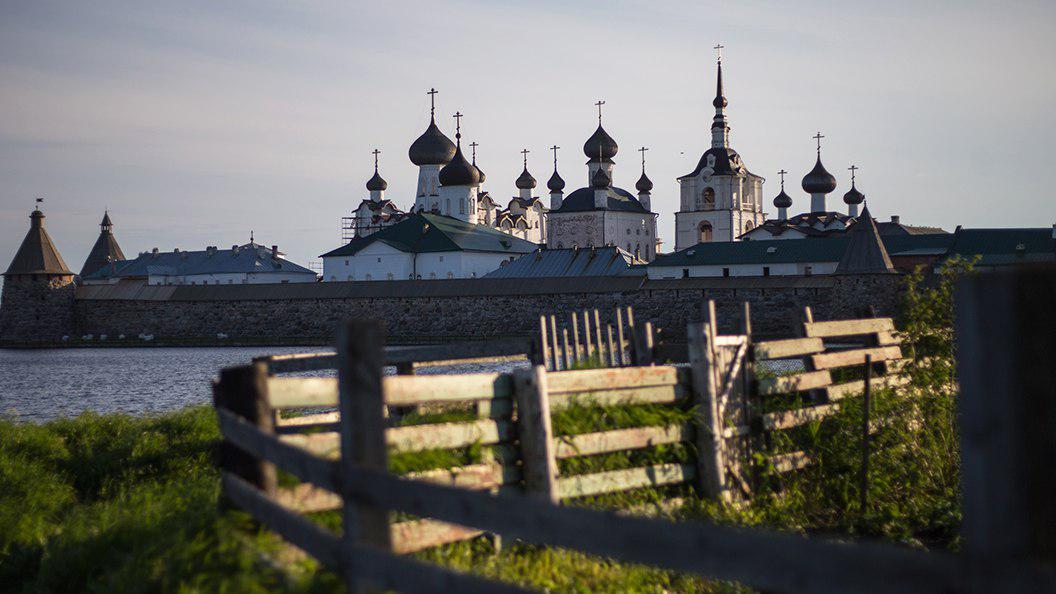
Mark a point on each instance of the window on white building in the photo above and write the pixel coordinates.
(432, 275)
(707, 199)
(704, 231)
(450, 274)
(462, 206)
(390, 276)
(369, 278)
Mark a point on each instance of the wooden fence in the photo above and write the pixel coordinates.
(514, 492)
(588, 339)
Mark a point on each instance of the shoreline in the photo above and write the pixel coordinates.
(192, 342)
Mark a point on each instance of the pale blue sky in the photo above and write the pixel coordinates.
(195, 122)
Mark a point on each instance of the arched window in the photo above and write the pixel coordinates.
(462, 206)
(748, 226)
(707, 199)
(447, 206)
(705, 231)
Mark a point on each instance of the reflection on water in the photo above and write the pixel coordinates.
(39, 385)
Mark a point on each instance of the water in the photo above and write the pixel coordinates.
(40, 385)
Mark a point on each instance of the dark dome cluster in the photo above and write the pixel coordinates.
(819, 181)
(600, 146)
(644, 184)
(556, 184)
(432, 147)
(376, 183)
(459, 172)
(525, 181)
(481, 172)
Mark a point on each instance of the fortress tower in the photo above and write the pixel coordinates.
(37, 302)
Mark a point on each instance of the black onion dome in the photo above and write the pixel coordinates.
(459, 172)
(525, 181)
(644, 184)
(480, 172)
(601, 179)
(432, 147)
(600, 146)
(556, 184)
(376, 183)
(819, 181)
(853, 196)
(782, 200)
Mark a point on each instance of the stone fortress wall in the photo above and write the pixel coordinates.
(424, 311)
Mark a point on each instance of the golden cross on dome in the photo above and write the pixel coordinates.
(554, 148)
(525, 152)
(642, 150)
(718, 51)
(598, 105)
(818, 137)
(375, 152)
(782, 174)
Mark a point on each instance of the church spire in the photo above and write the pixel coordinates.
(105, 250)
(37, 255)
(720, 130)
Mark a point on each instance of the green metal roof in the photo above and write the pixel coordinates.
(997, 247)
(427, 232)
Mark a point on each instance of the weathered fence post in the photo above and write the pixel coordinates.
(360, 358)
(1006, 324)
(710, 467)
(544, 350)
(243, 391)
(535, 433)
(863, 479)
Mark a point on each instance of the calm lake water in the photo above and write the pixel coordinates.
(39, 385)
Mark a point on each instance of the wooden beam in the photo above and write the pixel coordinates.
(786, 348)
(790, 461)
(710, 459)
(840, 391)
(590, 380)
(420, 389)
(854, 357)
(647, 395)
(848, 327)
(624, 480)
(757, 558)
(787, 419)
(243, 391)
(362, 406)
(636, 438)
(785, 384)
(417, 438)
(417, 535)
(536, 434)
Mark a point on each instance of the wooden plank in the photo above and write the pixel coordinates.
(448, 435)
(854, 388)
(556, 351)
(474, 477)
(362, 428)
(417, 535)
(472, 361)
(848, 327)
(243, 391)
(535, 433)
(290, 458)
(707, 421)
(588, 380)
(325, 445)
(302, 392)
(791, 461)
(624, 480)
(854, 357)
(757, 558)
(799, 382)
(647, 395)
(308, 420)
(588, 444)
(306, 498)
(776, 421)
(388, 571)
(787, 348)
(299, 362)
(891, 338)
(405, 390)
(458, 351)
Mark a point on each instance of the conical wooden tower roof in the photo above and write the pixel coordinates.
(37, 254)
(865, 252)
(105, 249)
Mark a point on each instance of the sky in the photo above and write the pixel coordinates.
(196, 122)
